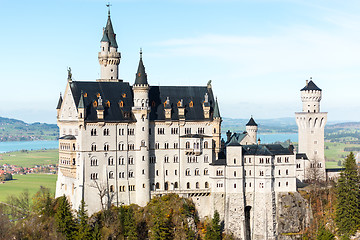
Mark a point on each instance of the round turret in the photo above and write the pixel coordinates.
(311, 97)
(251, 129)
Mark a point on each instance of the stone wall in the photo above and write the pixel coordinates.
(293, 215)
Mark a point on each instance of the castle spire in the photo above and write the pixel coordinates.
(81, 101)
(59, 102)
(141, 76)
(216, 109)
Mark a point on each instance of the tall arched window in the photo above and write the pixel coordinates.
(111, 175)
(187, 145)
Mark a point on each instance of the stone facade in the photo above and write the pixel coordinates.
(122, 144)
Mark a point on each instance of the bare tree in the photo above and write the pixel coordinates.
(104, 193)
(315, 173)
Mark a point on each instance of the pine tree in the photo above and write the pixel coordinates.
(83, 228)
(324, 234)
(129, 224)
(64, 219)
(214, 230)
(348, 195)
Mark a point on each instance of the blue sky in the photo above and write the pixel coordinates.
(258, 53)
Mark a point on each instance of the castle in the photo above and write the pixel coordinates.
(123, 144)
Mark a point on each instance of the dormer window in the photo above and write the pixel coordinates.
(191, 104)
(153, 103)
(179, 104)
(98, 95)
(107, 104)
(124, 95)
(121, 104)
(95, 104)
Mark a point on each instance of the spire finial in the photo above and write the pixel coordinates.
(108, 5)
(140, 53)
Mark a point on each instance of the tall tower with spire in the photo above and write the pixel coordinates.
(311, 123)
(141, 111)
(109, 57)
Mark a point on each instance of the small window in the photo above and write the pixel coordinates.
(124, 95)
(191, 104)
(95, 104)
(107, 104)
(121, 104)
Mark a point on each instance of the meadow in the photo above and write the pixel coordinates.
(31, 182)
(335, 152)
(30, 158)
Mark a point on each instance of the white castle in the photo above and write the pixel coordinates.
(122, 144)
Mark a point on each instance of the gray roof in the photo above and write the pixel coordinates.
(251, 122)
(159, 94)
(141, 76)
(59, 102)
(68, 137)
(237, 137)
(311, 86)
(301, 156)
(216, 109)
(114, 92)
(266, 149)
(81, 102)
(109, 35)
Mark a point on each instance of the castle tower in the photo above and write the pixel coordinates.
(251, 129)
(311, 123)
(217, 128)
(141, 112)
(109, 57)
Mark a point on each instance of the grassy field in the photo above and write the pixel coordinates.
(32, 182)
(30, 158)
(335, 152)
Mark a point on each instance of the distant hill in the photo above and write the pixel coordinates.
(275, 125)
(17, 130)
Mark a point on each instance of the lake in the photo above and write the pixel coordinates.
(37, 145)
(27, 145)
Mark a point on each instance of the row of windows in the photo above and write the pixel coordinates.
(67, 161)
(196, 172)
(106, 132)
(66, 146)
(176, 185)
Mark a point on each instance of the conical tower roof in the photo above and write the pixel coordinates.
(251, 122)
(216, 110)
(141, 76)
(81, 101)
(59, 102)
(109, 35)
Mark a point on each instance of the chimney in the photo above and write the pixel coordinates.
(228, 135)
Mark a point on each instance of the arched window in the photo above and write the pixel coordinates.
(206, 144)
(111, 161)
(197, 172)
(206, 185)
(111, 188)
(206, 171)
(187, 145)
(157, 186)
(176, 185)
(106, 147)
(93, 147)
(121, 160)
(197, 185)
(187, 172)
(111, 175)
(188, 185)
(166, 186)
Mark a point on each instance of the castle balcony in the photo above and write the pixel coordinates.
(183, 192)
(192, 151)
(68, 170)
(109, 54)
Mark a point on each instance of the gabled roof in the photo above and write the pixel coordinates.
(251, 122)
(237, 137)
(112, 93)
(233, 142)
(59, 102)
(68, 137)
(266, 150)
(311, 86)
(191, 95)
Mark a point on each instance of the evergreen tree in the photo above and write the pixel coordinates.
(129, 224)
(96, 234)
(324, 234)
(162, 228)
(213, 229)
(64, 219)
(348, 195)
(83, 228)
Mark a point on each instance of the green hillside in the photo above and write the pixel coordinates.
(17, 130)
